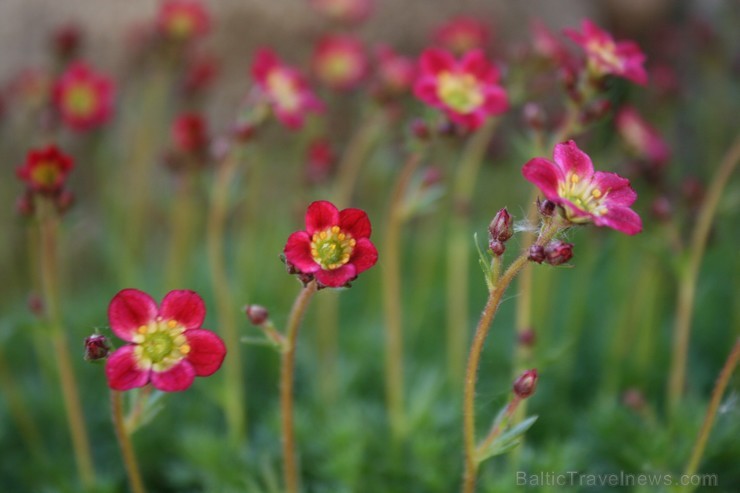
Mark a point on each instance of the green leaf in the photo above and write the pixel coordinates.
(485, 264)
(507, 440)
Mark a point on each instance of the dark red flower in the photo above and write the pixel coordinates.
(83, 97)
(45, 170)
(168, 346)
(334, 248)
(190, 133)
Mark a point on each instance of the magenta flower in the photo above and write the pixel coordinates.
(334, 248)
(168, 346)
(339, 61)
(462, 34)
(285, 89)
(606, 56)
(641, 137)
(467, 90)
(84, 97)
(584, 195)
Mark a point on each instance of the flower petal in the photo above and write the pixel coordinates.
(355, 222)
(123, 372)
(425, 89)
(617, 190)
(297, 252)
(207, 351)
(435, 60)
(545, 175)
(129, 310)
(265, 60)
(177, 378)
(364, 256)
(338, 277)
(476, 64)
(184, 306)
(321, 215)
(622, 219)
(496, 101)
(571, 159)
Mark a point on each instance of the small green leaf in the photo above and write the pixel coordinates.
(485, 264)
(507, 440)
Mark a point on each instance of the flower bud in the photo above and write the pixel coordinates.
(534, 116)
(661, 208)
(496, 247)
(420, 129)
(525, 385)
(546, 207)
(96, 347)
(36, 305)
(536, 253)
(527, 337)
(501, 227)
(257, 314)
(558, 252)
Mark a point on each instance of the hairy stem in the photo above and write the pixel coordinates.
(124, 442)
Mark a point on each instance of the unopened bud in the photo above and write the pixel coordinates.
(527, 337)
(558, 252)
(525, 385)
(496, 247)
(420, 129)
(244, 131)
(534, 116)
(546, 207)
(501, 227)
(36, 305)
(536, 253)
(661, 208)
(96, 347)
(257, 314)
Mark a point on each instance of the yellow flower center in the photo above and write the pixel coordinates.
(584, 195)
(80, 100)
(461, 92)
(283, 90)
(332, 248)
(181, 25)
(45, 174)
(337, 67)
(160, 344)
(607, 53)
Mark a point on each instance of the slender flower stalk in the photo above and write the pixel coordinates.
(689, 275)
(124, 441)
(235, 395)
(391, 274)
(182, 220)
(287, 374)
(706, 428)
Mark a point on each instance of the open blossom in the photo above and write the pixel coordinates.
(606, 56)
(45, 170)
(167, 345)
(584, 195)
(182, 19)
(83, 97)
(467, 90)
(642, 138)
(462, 34)
(284, 88)
(350, 11)
(334, 248)
(339, 61)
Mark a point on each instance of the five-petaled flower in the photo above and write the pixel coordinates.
(584, 195)
(45, 170)
(467, 90)
(83, 97)
(284, 88)
(606, 56)
(334, 248)
(167, 346)
(182, 19)
(339, 61)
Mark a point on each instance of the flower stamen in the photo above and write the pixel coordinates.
(332, 248)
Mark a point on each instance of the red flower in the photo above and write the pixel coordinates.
(350, 11)
(285, 89)
(642, 138)
(45, 170)
(320, 160)
(545, 44)
(335, 246)
(182, 19)
(190, 133)
(339, 62)
(462, 34)
(168, 346)
(606, 56)
(584, 195)
(467, 90)
(83, 97)
(396, 73)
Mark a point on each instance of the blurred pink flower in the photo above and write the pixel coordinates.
(462, 34)
(643, 139)
(190, 133)
(45, 170)
(182, 20)
(339, 61)
(349, 11)
(396, 73)
(83, 97)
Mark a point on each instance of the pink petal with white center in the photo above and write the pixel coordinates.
(355, 222)
(544, 174)
(207, 351)
(297, 252)
(622, 219)
(320, 216)
(184, 306)
(433, 61)
(122, 371)
(571, 159)
(616, 190)
(176, 379)
(364, 255)
(338, 277)
(129, 310)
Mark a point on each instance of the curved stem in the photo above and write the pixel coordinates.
(689, 277)
(124, 441)
(287, 372)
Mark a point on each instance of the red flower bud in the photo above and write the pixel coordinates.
(558, 252)
(546, 207)
(525, 385)
(527, 337)
(534, 116)
(96, 347)
(257, 314)
(536, 253)
(501, 227)
(420, 129)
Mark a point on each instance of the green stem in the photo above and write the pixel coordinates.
(225, 311)
(689, 277)
(476, 349)
(287, 374)
(48, 222)
(706, 428)
(391, 273)
(124, 441)
(500, 425)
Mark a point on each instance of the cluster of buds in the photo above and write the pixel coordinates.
(556, 252)
(45, 172)
(500, 231)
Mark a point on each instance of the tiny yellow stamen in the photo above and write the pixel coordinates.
(596, 193)
(574, 178)
(335, 229)
(171, 324)
(142, 329)
(185, 348)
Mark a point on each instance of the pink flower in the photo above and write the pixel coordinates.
(584, 195)
(642, 138)
(545, 44)
(350, 11)
(339, 61)
(182, 19)
(83, 97)
(462, 34)
(396, 73)
(168, 346)
(190, 133)
(606, 56)
(45, 170)
(320, 158)
(284, 88)
(467, 90)
(334, 248)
